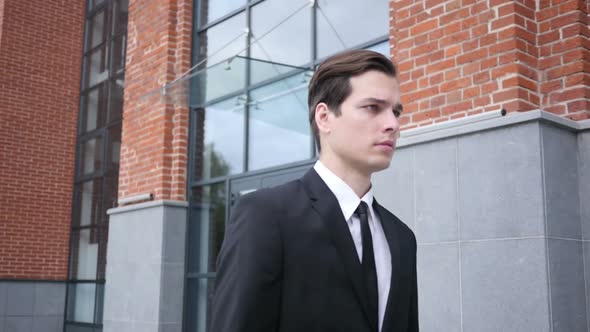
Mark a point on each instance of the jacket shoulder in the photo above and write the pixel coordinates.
(404, 229)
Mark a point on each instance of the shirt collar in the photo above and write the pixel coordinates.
(347, 198)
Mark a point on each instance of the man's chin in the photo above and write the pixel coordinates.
(380, 164)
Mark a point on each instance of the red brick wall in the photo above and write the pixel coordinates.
(463, 57)
(564, 46)
(40, 56)
(155, 130)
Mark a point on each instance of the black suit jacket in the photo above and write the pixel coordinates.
(288, 264)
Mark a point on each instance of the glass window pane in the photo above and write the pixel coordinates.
(91, 155)
(117, 93)
(218, 81)
(217, 46)
(88, 203)
(211, 10)
(119, 48)
(120, 15)
(339, 20)
(268, 35)
(97, 25)
(93, 109)
(222, 41)
(219, 147)
(279, 125)
(84, 252)
(206, 227)
(96, 67)
(114, 148)
(200, 294)
(382, 48)
(81, 302)
(103, 234)
(91, 4)
(99, 303)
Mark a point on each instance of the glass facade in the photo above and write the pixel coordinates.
(97, 160)
(253, 61)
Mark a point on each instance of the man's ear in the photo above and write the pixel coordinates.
(322, 118)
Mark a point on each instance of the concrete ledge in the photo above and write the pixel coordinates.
(147, 205)
(483, 122)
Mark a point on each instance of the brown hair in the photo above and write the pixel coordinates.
(330, 83)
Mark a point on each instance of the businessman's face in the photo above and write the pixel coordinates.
(363, 137)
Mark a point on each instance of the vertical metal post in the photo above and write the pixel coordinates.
(313, 60)
(247, 91)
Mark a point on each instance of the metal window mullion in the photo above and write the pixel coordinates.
(247, 92)
(314, 54)
(189, 195)
(220, 20)
(108, 30)
(208, 182)
(82, 228)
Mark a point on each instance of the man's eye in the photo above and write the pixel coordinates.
(397, 113)
(372, 107)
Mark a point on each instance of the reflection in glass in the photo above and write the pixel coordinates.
(343, 24)
(211, 10)
(119, 48)
(222, 41)
(217, 47)
(207, 227)
(120, 13)
(116, 108)
(93, 109)
(94, 3)
(114, 147)
(218, 80)
(279, 125)
(96, 67)
(268, 35)
(219, 147)
(99, 303)
(88, 197)
(199, 295)
(91, 153)
(103, 234)
(81, 302)
(97, 23)
(84, 254)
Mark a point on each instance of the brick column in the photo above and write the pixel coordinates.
(460, 58)
(144, 280)
(155, 129)
(564, 46)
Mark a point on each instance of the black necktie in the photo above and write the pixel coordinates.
(368, 263)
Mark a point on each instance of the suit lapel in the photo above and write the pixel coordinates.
(394, 249)
(326, 204)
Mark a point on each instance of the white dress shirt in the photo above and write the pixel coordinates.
(349, 201)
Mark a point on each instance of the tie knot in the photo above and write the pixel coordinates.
(362, 209)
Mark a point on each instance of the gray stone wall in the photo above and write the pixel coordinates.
(497, 213)
(145, 269)
(584, 186)
(32, 306)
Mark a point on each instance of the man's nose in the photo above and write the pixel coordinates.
(391, 122)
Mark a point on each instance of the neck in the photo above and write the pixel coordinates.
(359, 181)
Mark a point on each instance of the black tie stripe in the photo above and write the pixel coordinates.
(368, 260)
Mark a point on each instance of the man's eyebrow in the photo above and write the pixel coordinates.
(374, 100)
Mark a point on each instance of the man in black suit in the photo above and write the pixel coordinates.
(319, 253)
